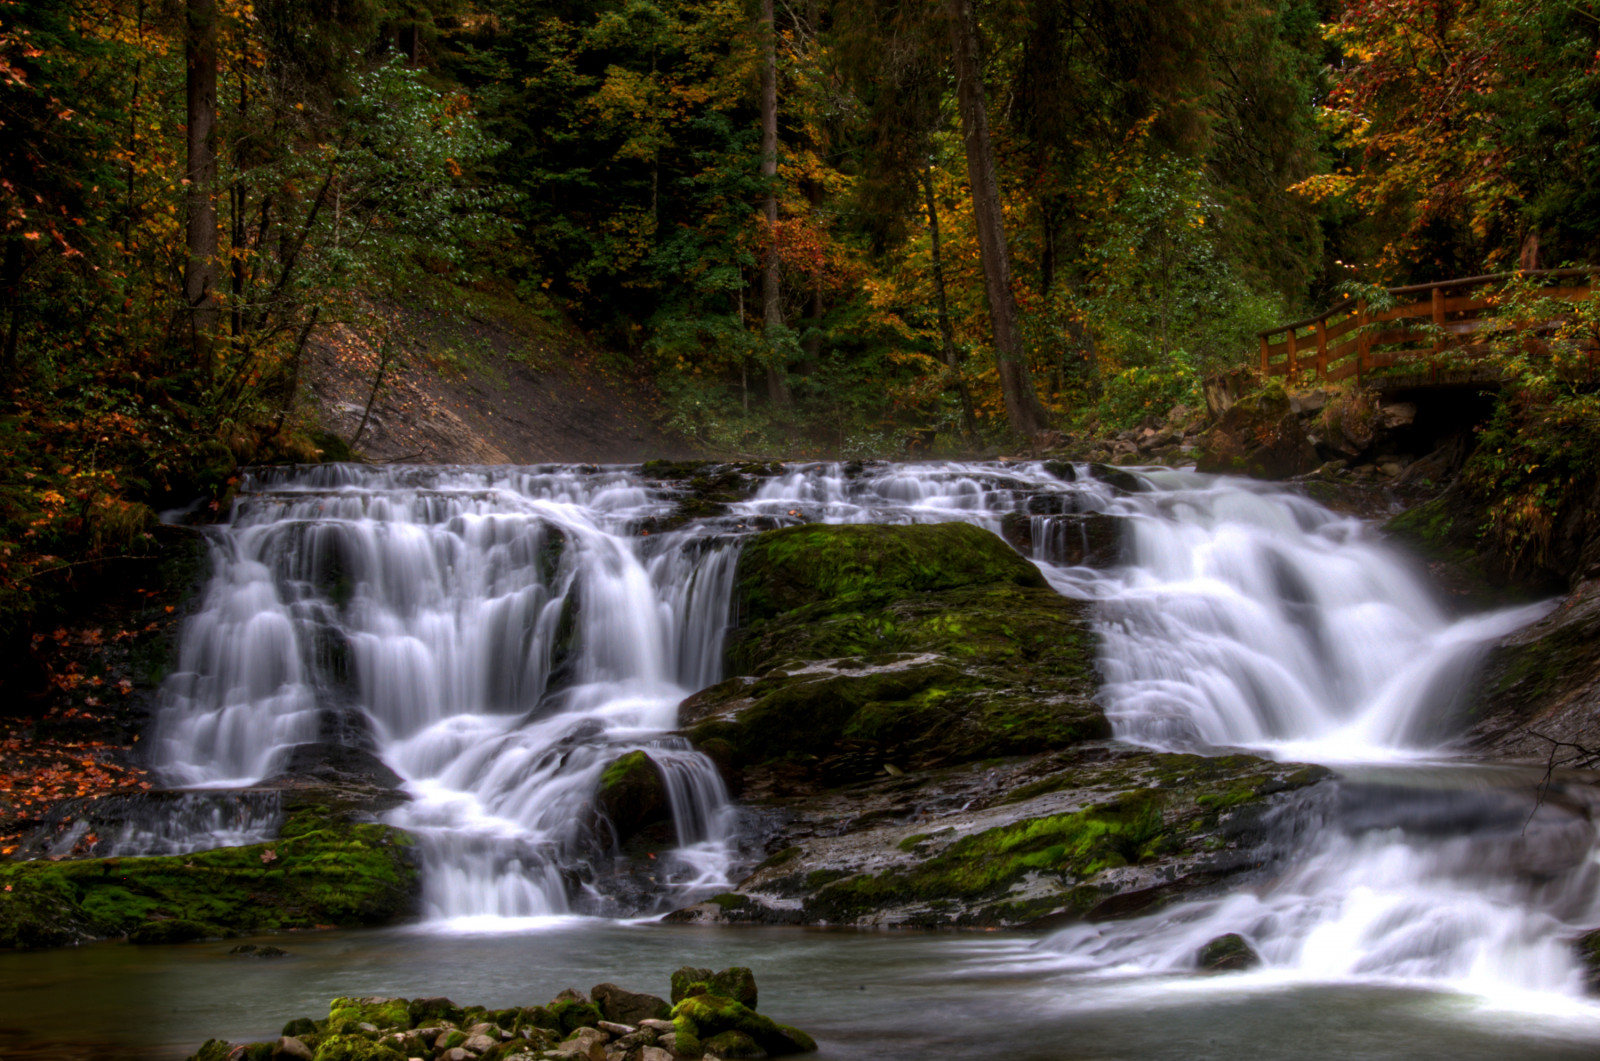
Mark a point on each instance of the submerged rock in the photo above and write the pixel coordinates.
(1226, 954)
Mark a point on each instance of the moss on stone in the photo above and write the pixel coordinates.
(700, 1018)
(386, 1013)
(355, 1048)
(320, 871)
(942, 645)
(570, 1015)
(789, 568)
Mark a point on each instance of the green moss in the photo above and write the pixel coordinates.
(387, 1013)
(355, 1048)
(730, 900)
(622, 770)
(701, 1018)
(570, 1015)
(786, 855)
(923, 677)
(320, 871)
(174, 930)
(1069, 847)
(789, 568)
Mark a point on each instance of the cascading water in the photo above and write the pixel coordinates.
(507, 633)
(503, 633)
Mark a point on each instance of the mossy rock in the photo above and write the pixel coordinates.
(732, 1044)
(1226, 954)
(572, 1014)
(632, 795)
(700, 1018)
(299, 1028)
(321, 870)
(426, 1011)
(385, 1013)
(786, 569)
(355, 1048)
(686, 978)
(952, 676)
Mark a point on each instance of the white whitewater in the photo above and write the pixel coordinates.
(509, 632)
(441, 604)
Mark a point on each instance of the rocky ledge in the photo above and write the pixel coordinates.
(711, 1016)
(323, 869)
(913, 721)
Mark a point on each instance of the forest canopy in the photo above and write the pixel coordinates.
(810, 226)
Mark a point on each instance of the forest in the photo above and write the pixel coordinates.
(791, 223)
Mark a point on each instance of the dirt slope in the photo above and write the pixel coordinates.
(491, 389)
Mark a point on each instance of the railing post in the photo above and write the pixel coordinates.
(1363, 353)
(1322, 350)
(1438, 339)
(1292, 356)
(1264, 355)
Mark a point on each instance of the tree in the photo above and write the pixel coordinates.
(1023, 409)
(200, 268)
(772, 277)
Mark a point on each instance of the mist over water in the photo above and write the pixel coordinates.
(506, 633)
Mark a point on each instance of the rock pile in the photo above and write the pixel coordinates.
(712, 1016)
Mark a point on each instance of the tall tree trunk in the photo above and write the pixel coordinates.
(200, 271)
(13, 265)
(947, 333)
(1027, 416)
(771, 306)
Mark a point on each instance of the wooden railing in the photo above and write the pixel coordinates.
(1349, 340)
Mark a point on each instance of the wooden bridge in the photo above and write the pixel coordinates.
(1352, 340)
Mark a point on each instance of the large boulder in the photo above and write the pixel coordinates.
(632, 795)
(900, 645)
(1261, 436)
(627, 1007)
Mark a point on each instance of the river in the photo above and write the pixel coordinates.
(496, 636)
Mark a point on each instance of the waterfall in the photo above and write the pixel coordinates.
(505, 634)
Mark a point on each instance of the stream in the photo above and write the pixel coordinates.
(497, 636)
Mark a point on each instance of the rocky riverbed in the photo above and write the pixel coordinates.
(711, 1016)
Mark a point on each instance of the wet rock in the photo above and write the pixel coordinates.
(685, 979)
(1226, 954)
(733, 1044)
(433, 1011)
(910, 646)
(655, 1053)
(587, 1043)
(632, 795)
(251, 950)
(290, 1048)
(628, 1007)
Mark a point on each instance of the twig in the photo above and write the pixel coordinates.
(1587, 756)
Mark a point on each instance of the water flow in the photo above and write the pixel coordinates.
(504, 634)
(507, 633)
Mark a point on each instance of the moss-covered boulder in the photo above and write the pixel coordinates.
(356, 1048)
(900, 645)
(322, 870)
(790, 568)
(383, 1013)
(701, 1018)
(632, 795)
(1227, 954)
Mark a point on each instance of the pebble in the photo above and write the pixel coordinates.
(616, 1029)
(654, 1025)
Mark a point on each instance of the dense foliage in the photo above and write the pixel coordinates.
(1171, 178)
